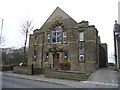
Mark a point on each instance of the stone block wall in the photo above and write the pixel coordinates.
(103, 59)
(72, 46)
(21, 69)
(6, 68)
(69, 75)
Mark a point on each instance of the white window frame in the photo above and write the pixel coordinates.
(81, 54)
(81, 36)
(56, 36)
(48, 38)
(64, 37)
(35, 41)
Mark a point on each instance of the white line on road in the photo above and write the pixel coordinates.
(100, 83)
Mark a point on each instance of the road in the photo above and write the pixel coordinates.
(13, 82)
(101, 78)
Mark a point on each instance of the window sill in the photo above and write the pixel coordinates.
(81, 41)
(55, 43)
(82, 61)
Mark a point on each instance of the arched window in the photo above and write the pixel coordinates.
(81, 54)
(57, 35)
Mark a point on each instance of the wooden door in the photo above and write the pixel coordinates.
(56, 60)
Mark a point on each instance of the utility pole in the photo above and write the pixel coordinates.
(0, 44)
(116, 45)
(1, 31)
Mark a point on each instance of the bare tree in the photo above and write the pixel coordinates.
(2, 40)
(26, 28)
(112, 57)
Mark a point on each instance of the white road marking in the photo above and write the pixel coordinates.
(100, 83)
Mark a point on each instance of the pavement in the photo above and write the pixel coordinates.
(102, 78)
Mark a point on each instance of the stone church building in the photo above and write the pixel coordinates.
(63, 39)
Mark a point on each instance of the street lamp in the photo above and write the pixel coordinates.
(116, 30)
(117, 34)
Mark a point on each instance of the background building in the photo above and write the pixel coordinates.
(63, 39)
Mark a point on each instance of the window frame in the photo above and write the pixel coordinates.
(35, 42)
(81, 54)
(82, 36)
(34, 55)
(56, 35)
(64, 37)
(47, 55)
(65, 55)
(49, 38)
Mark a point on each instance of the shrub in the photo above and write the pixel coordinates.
(64, 65)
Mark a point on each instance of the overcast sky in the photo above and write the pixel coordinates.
(101, 13)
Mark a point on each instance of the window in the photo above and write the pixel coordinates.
(46, 55)
(81, 54)
(35, 55)
(81, 36)
(64, 37)
(57, 35)
(35, 42)
(48, 38)
(65, 56)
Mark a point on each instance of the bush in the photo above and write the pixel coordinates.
(65, 65)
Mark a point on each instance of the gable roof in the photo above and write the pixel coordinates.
(57, 15)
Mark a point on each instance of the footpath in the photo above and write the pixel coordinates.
(102, 78)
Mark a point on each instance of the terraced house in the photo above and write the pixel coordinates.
(63, 39)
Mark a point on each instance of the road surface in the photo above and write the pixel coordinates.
(13, 82)
(102, 78)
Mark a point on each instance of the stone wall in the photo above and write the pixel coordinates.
(72, 46)
(21, 69)
(69, 75)
(103, 59)
(6, 68)
(27, 70)
(37, 71)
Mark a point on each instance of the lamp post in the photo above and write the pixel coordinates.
(116, 44)
(117, 37)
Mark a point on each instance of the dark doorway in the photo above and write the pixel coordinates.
(56, 60)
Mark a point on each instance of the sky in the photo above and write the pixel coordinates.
(101, 13)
